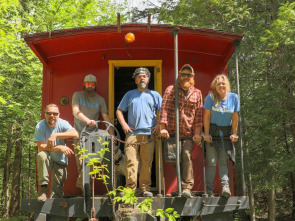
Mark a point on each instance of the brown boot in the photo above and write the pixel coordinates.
(42, 195)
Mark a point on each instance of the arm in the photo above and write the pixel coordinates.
(235, 122)
(78, 114)
(163, 132)
(63, 135)
(207, 116)
(197, 136)
(42, 146)
(107, 119)
(122, 121)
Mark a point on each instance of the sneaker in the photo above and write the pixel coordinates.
(147, 194)
(210, 194)
(42, 195)
(186, 194)
(226, 191)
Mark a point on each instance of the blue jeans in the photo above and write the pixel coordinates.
(212, 153)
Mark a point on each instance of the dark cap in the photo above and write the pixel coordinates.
(141, 70)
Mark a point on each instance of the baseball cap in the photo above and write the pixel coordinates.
(90, 78)
(187, 67)
(141, 70)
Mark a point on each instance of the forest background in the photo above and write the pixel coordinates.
(267, 77)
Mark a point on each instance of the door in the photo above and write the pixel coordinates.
(121, 81)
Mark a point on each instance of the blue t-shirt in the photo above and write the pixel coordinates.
(43, 132)
(222, 115)
(142, 109)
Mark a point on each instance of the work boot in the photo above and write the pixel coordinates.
(147, 194)
(43, 191)
(186, 193)
(226, 191)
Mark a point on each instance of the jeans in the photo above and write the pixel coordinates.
(212, 153)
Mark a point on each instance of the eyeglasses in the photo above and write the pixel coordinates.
(185, 75)
(52, 113)
(89, 84)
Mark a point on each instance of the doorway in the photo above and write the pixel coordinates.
(121, 81)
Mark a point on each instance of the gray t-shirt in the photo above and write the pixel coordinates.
(91, 107)
(43, 132)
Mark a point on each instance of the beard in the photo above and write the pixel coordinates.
(89, 91)
(186, 83)
(51, 121)
(142, 85)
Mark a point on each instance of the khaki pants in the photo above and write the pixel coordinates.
(186, 165)
(133, 155)
(59, 175)
(79, 162)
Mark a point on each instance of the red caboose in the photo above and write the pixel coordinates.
(68, 55)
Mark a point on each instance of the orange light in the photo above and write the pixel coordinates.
(129, 37)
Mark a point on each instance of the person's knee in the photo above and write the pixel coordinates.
(211, 162)
(42, 156)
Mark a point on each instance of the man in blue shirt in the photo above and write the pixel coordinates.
(50, 135)
(142, 105)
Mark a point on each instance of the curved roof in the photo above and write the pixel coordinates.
(50, 45)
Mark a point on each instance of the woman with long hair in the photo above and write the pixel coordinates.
(221, 118)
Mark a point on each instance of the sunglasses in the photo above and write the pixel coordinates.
(52, 113)
(185, 75)
(89, 84)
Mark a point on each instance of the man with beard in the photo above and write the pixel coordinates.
(142, 105)
(86, 107)
(190, 122)
(50, 135)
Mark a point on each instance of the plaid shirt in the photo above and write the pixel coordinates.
(190, 111)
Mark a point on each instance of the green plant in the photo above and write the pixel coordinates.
(170, 213)
(145, 205)
(128, 196)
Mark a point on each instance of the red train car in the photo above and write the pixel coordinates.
(68, 55)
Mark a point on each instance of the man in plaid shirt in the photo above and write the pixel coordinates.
(190, 121)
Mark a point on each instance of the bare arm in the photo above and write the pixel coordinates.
(235, 122)
(78, 114)
(122, 121)
(197, 136)
(63, 135)
(42, 146)
(107, 119)
(207, 116)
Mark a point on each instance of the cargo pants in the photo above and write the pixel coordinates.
(186, 165)
(59, 174)
(133, 155)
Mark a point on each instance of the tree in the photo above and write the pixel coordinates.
(21, 79)
(267, 85)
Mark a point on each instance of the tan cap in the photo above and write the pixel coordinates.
(90, 78)
(187, 67)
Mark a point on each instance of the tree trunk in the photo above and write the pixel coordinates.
(271, 200)
(292, 178)
(251, 198)
(15, 189)
(5, 193)
(29, 180)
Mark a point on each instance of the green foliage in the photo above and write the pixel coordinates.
(145, 205)
(127, 198)
(170, 213)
